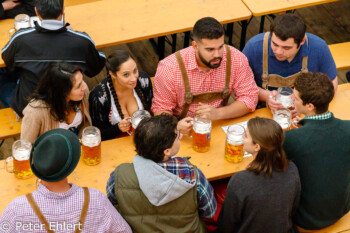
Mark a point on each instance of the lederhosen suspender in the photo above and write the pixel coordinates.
(43, 220)
(274, 80)
(204, 97)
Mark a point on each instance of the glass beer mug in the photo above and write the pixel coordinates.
(234, 143)
(21, 21)
(283, 117)
(91, 145)
(137, 118)
(284, 96)
(20, 157)
(201, 134)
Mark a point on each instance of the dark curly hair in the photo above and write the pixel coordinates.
(207, 28)
(316, 89)
(154, 135)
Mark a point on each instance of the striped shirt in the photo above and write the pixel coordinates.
(62, 211)
(169, 90)
(178, 166)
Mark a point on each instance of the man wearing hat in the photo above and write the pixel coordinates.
(59, 206)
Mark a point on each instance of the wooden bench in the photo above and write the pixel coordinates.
(9, 127)
(342, 225)
(341, 55)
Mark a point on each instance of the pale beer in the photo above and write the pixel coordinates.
(284, 96)
(201, 134)
(136, 118)
(21, 152)
(234, 144)
(91, 146)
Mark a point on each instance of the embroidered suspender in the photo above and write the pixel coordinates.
(204, 97)
(43, 220)
(274, 80)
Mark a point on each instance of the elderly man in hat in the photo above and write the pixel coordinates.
(59, 206)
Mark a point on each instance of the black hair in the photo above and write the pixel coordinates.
(154, 135)
(289, 26)
(113, 63)
(207, 28)
(49, 9)
(54, 87)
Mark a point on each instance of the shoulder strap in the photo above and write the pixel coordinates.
(188, 93)
(304, 64)
(38, 213)
(84, 210)
(226, 91)
(265, 73)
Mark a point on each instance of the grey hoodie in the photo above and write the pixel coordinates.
(158, 185)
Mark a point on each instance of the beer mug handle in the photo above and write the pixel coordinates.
(6, 164)
(11, 32)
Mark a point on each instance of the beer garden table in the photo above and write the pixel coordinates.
(266, 7)
(117, 151)
(111, 22)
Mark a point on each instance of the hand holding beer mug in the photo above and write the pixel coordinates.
(284, 96)
(283, 117)
(21, 152)
(21, 21)
(201, 134)
(91, 146)
(234, 143)
(137, 118)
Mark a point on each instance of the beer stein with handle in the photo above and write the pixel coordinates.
(137, 118)
(234, 143)
(91, 145)
(21, 21)
(284, 96)
(201, 134)
(20, 157)
(283, 117)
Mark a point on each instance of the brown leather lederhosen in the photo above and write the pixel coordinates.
(208, 96)
(43, 220)
(275, 80)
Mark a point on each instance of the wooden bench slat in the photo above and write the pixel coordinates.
(341, 55)
(8, 126)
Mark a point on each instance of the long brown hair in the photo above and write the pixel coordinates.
(271, 156)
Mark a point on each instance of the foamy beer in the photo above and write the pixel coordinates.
(20, 157)
(234, 144)
(201, 134)
(91, 145)
(137, 118)
(283, 117)
(284, 96)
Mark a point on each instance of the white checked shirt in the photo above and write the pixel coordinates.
(169, 90)
(62, 210)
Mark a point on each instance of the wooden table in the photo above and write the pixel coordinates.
(266, 7)
(117, 151)
(9, 127)
(112, 22)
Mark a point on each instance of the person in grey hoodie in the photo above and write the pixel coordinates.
(160, 192)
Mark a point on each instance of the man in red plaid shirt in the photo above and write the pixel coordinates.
(206, 64)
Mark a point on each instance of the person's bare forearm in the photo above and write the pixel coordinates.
(234, 110)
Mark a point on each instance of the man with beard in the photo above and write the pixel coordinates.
(199, 79)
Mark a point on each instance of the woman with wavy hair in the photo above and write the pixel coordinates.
(60, 101)
(116, 98)
(264, 197)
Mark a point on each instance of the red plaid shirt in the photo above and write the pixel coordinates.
(169, 89)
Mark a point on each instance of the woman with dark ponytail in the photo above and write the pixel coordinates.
(116, 98)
